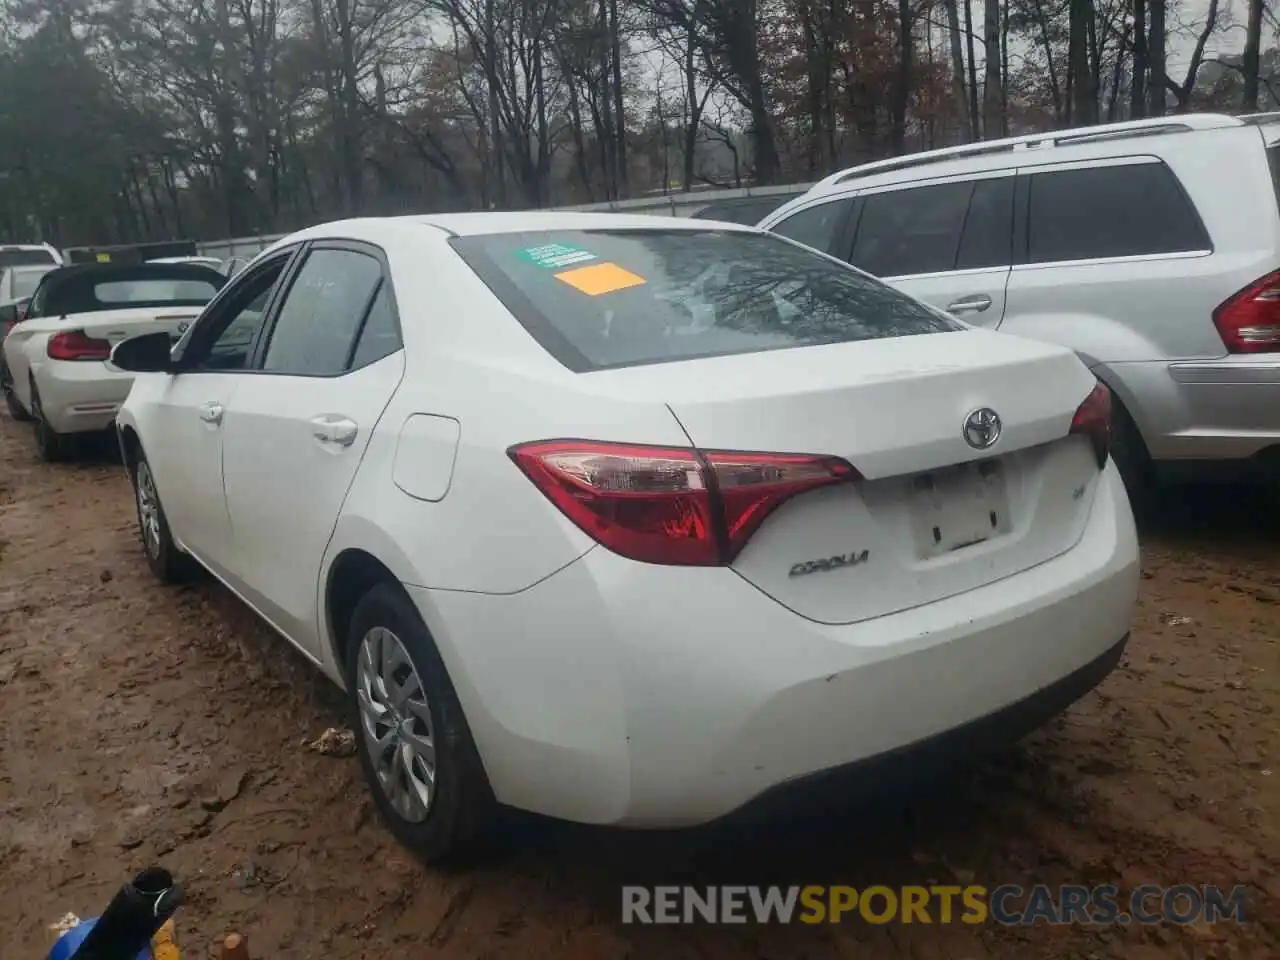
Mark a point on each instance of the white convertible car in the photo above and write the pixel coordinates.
(632, 520)
(56, 370)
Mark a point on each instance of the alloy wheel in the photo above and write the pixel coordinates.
(395, 721)
(148, 509)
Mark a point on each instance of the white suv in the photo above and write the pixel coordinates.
(1151, 248)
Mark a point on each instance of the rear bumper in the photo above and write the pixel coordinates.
(907, 765)
(80, 397)
(1221, 409)
(623, 693)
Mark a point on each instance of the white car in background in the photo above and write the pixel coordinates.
(19, 283)
(56, 369)
(631, 520)
(228, 268)
(29, 254)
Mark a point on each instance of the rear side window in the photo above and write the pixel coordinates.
(1273, 161)
(912, 231)
(599, 299)
(1120, 211)
(817, 227)
(316, 327)
(380, 336)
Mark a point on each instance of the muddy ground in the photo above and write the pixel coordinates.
(142, 724)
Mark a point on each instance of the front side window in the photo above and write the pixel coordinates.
(1131, 210)
(322, 313)
(224, 339)
(817, 227)
(911, 231)
(613, 298)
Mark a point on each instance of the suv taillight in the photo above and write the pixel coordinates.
(1249, 321)
(1093, 420)
(77, 345)
(671, 505)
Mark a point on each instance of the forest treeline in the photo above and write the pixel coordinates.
(124, 120)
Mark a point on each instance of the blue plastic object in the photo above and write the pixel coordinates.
(70, 941)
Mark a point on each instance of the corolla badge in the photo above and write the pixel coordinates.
(824, 564)
(982, 428)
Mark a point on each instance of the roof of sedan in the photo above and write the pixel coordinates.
(474, 224)
(470, 224)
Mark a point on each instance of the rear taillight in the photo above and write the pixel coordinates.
(672, 505)
(77, 345)
(1093, 420)
(1249, 321)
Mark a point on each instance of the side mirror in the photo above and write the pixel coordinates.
(148, 353)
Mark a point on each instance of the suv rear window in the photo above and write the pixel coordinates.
(1115, 211)
(603, 298)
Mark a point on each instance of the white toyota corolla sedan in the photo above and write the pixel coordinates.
(630, 520)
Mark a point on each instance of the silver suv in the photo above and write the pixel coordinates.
(1152, 248)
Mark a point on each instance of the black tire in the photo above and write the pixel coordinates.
(11, 401)
(167, 562)
(53, 447)
(1129, 452)
(461, 806)
(14, 405)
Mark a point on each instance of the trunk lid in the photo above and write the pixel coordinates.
(116, 325)
(933, 516)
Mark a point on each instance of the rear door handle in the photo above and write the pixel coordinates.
(211, 412)
(336, 430)
(975, 304)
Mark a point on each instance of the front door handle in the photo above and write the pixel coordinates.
(336, 430)
(975, 304)
(211, 412)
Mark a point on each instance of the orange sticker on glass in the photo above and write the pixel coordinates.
(600, 278)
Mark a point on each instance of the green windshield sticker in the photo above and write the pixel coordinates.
(554, 256)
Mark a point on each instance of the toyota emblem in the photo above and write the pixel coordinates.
(982, 428)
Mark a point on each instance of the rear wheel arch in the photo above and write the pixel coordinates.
(353, 573)
(131, 447)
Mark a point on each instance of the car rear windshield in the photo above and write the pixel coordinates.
(25, 258)
(125, 293)
(601, 299)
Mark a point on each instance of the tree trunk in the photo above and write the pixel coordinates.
(1137, 87)
(1004, 69)
(902, 89)
(974, 132)
(957, 66)
(992, 99)
(619, 111)
(1083, 96)
(694, 118)
(1156, 60)
(1252, 43)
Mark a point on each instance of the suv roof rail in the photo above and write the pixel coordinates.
(1107, 131)
(1258, 119)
